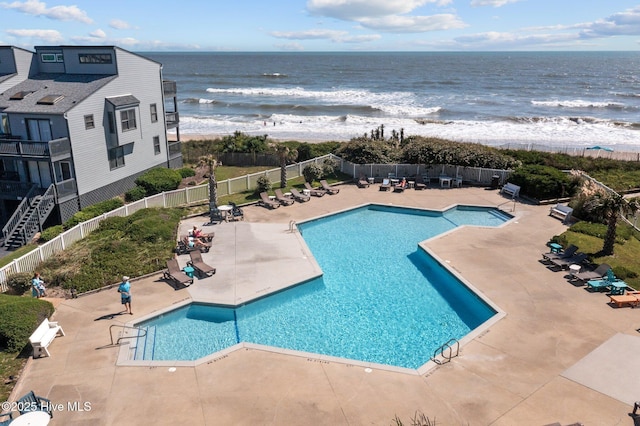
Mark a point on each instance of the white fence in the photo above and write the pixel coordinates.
(200, 194)
(180, 197)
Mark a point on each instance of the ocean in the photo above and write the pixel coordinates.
(575, 99)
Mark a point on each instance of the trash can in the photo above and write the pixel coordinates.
(495, 181)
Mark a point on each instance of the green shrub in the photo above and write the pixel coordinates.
(92, 211)
(19, 283)
(186, 172)
(159, 180)
(543, 182)
(134, 194)
(329, 167)
(312, 172)
(50, 233)
(19, 317)
(263, 184)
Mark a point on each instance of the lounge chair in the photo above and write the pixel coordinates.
(316, 192)
(265, 201)
(32, 402)
(236, 212)
(385, 185)
(568, 252)
(299, 196)
(201, 268)
(184, 246)
(564, 262)
(176, 275)
(330, 189)
(401, 186)
(362, 182)
(286, 201)
(596, 274)
(631, 298)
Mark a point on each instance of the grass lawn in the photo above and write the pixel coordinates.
(624, 255)
(16, 254)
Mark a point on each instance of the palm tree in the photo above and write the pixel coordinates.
(609, 206)
(209, 161)
(285, 154)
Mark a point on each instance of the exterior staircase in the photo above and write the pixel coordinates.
(28, 218)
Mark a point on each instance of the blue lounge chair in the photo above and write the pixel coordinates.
(568, 252)
(32, 402)
(616, 285)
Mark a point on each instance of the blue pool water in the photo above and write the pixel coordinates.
(381, 299)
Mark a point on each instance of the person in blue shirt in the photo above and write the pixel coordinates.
(125, 294)
(37, 284)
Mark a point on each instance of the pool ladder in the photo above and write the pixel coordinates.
(123, 327)
(292, 226)
(507, 202)
(447, 351)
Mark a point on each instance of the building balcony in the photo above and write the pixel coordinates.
(66, 189)
(175, 149)
(11, 190)
(169, 87)
(172, 119)
(56, 149)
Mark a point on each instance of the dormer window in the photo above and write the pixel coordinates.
(95, 58)
(50, 99)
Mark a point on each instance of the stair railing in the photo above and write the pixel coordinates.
(16, 217)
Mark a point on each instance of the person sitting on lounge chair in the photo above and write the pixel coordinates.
(197, 233)
(196, 242)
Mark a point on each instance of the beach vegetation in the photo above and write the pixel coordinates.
(134, 245)
(366, 151)
(608, 206)
(208, 162)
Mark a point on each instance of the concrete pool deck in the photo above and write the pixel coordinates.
(533, 367)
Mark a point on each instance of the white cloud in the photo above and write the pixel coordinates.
(354, 10)
(98, 34)
(413, 24)
(119, 24)
(494, 3)
(58, 13)
(49, 36)
(622, 23)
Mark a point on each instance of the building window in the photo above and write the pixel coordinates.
(63, 171)
(39, 130)
(156, 145)
(95, 58)
(51, 57)
(88, 122)
(128, 119)
(116, 157)
(154, 113)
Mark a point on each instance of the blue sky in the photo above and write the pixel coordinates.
(325, 25)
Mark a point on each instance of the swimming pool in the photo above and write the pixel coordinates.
(382, 299)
